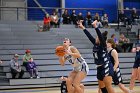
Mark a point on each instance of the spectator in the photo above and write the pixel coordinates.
(57, 12)
(123, 39)
(46, 25)
(123, 18)
(88, 19)
(54, 20)
(97, 17)
(73, 17)
(125, 43)
(104, 20)
(80, 18)
(135, 17)
(16, 67)
(113, 36)
(31, 66)
(26, 58)
(66, 17)
(118, 47)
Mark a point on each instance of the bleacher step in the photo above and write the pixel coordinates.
(4, 82)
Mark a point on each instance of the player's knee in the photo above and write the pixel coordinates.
(75, 85)
(82, 86)
(68, 81)
(108, 84)
(138, 78)
(133, 77)
(108, 81)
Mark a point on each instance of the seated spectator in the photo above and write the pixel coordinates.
(15, 67)
(123, 39)
(123, 18)
(97, 17)
(125, 43)
(88, 19)
(54, 20)
(57, 12)
(26, 58)
(135, 17)
(46, 25)
(113, 36)
(104, 20)
(66, 17)
(40, 28)
(80, 18)
(118, 47)
(73, 17)
(31, 66)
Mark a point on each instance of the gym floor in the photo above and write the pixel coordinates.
(88, 89)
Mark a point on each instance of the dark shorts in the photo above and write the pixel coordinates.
(105, 70)
(136, 64)
(63, 87)
(117, 77)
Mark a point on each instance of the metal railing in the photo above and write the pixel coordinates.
(36, 13)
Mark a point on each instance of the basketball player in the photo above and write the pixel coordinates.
(136, 68)
(80, 67)
(117, 79)
(100, 54)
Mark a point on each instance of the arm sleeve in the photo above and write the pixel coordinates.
(12, 65)
(90, 37)
(34, 65)
(24, 58)
(102, 41)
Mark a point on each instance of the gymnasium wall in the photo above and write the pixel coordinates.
(110, 7)
(132, 4)
(38, 14)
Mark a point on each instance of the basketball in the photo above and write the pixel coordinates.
(60, 51)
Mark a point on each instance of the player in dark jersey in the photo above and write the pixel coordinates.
(117, 79)
(101, 58)
(136, 68)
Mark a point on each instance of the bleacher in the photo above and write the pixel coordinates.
(17, 36)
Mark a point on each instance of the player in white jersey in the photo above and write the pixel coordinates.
(80, 68)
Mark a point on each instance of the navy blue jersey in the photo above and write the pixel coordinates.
(137, 60)
(137, 57)
(99, 50)
(111, 57)
(117, 78)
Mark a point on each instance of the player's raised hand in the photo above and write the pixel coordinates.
(80, 25)
(95, 24)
